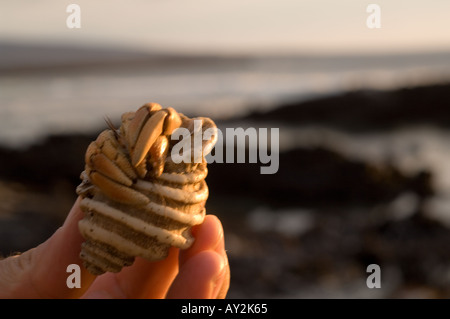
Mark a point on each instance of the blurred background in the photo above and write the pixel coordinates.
(364, 119)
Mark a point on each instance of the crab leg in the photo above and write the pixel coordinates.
(119, 192)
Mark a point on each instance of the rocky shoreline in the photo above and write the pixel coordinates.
(365, 110)
(351, 204)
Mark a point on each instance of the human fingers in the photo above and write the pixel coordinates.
(41, 272)
(152, 279)
(201, 277)
(209, 238)
(143, 279)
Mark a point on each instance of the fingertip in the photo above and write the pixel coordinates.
(74, 215)
(58, 252)
(200, 277)
(208, 236)
(210, 221)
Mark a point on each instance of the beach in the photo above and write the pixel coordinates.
(363, 179)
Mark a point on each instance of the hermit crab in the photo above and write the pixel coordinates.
(139, 196)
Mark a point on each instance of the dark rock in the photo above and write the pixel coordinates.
(58, 157)
(25, 230)
(368, 109)
(316, 176)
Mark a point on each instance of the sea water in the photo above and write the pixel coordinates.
(65, 100)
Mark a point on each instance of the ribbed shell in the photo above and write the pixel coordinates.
(116, 233)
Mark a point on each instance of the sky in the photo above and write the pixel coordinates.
(233, 26)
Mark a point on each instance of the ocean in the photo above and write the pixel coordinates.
(53, 90)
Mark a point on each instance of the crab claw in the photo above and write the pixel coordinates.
(172, 122)
(148, 124)
(137, 120)
(150, 132)
(158, 154)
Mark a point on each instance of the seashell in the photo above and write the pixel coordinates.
(137, 198)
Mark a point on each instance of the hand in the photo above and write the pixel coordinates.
(202, 271)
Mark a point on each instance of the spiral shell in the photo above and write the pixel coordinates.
(137, 199)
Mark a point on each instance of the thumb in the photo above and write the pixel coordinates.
(41, 272)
